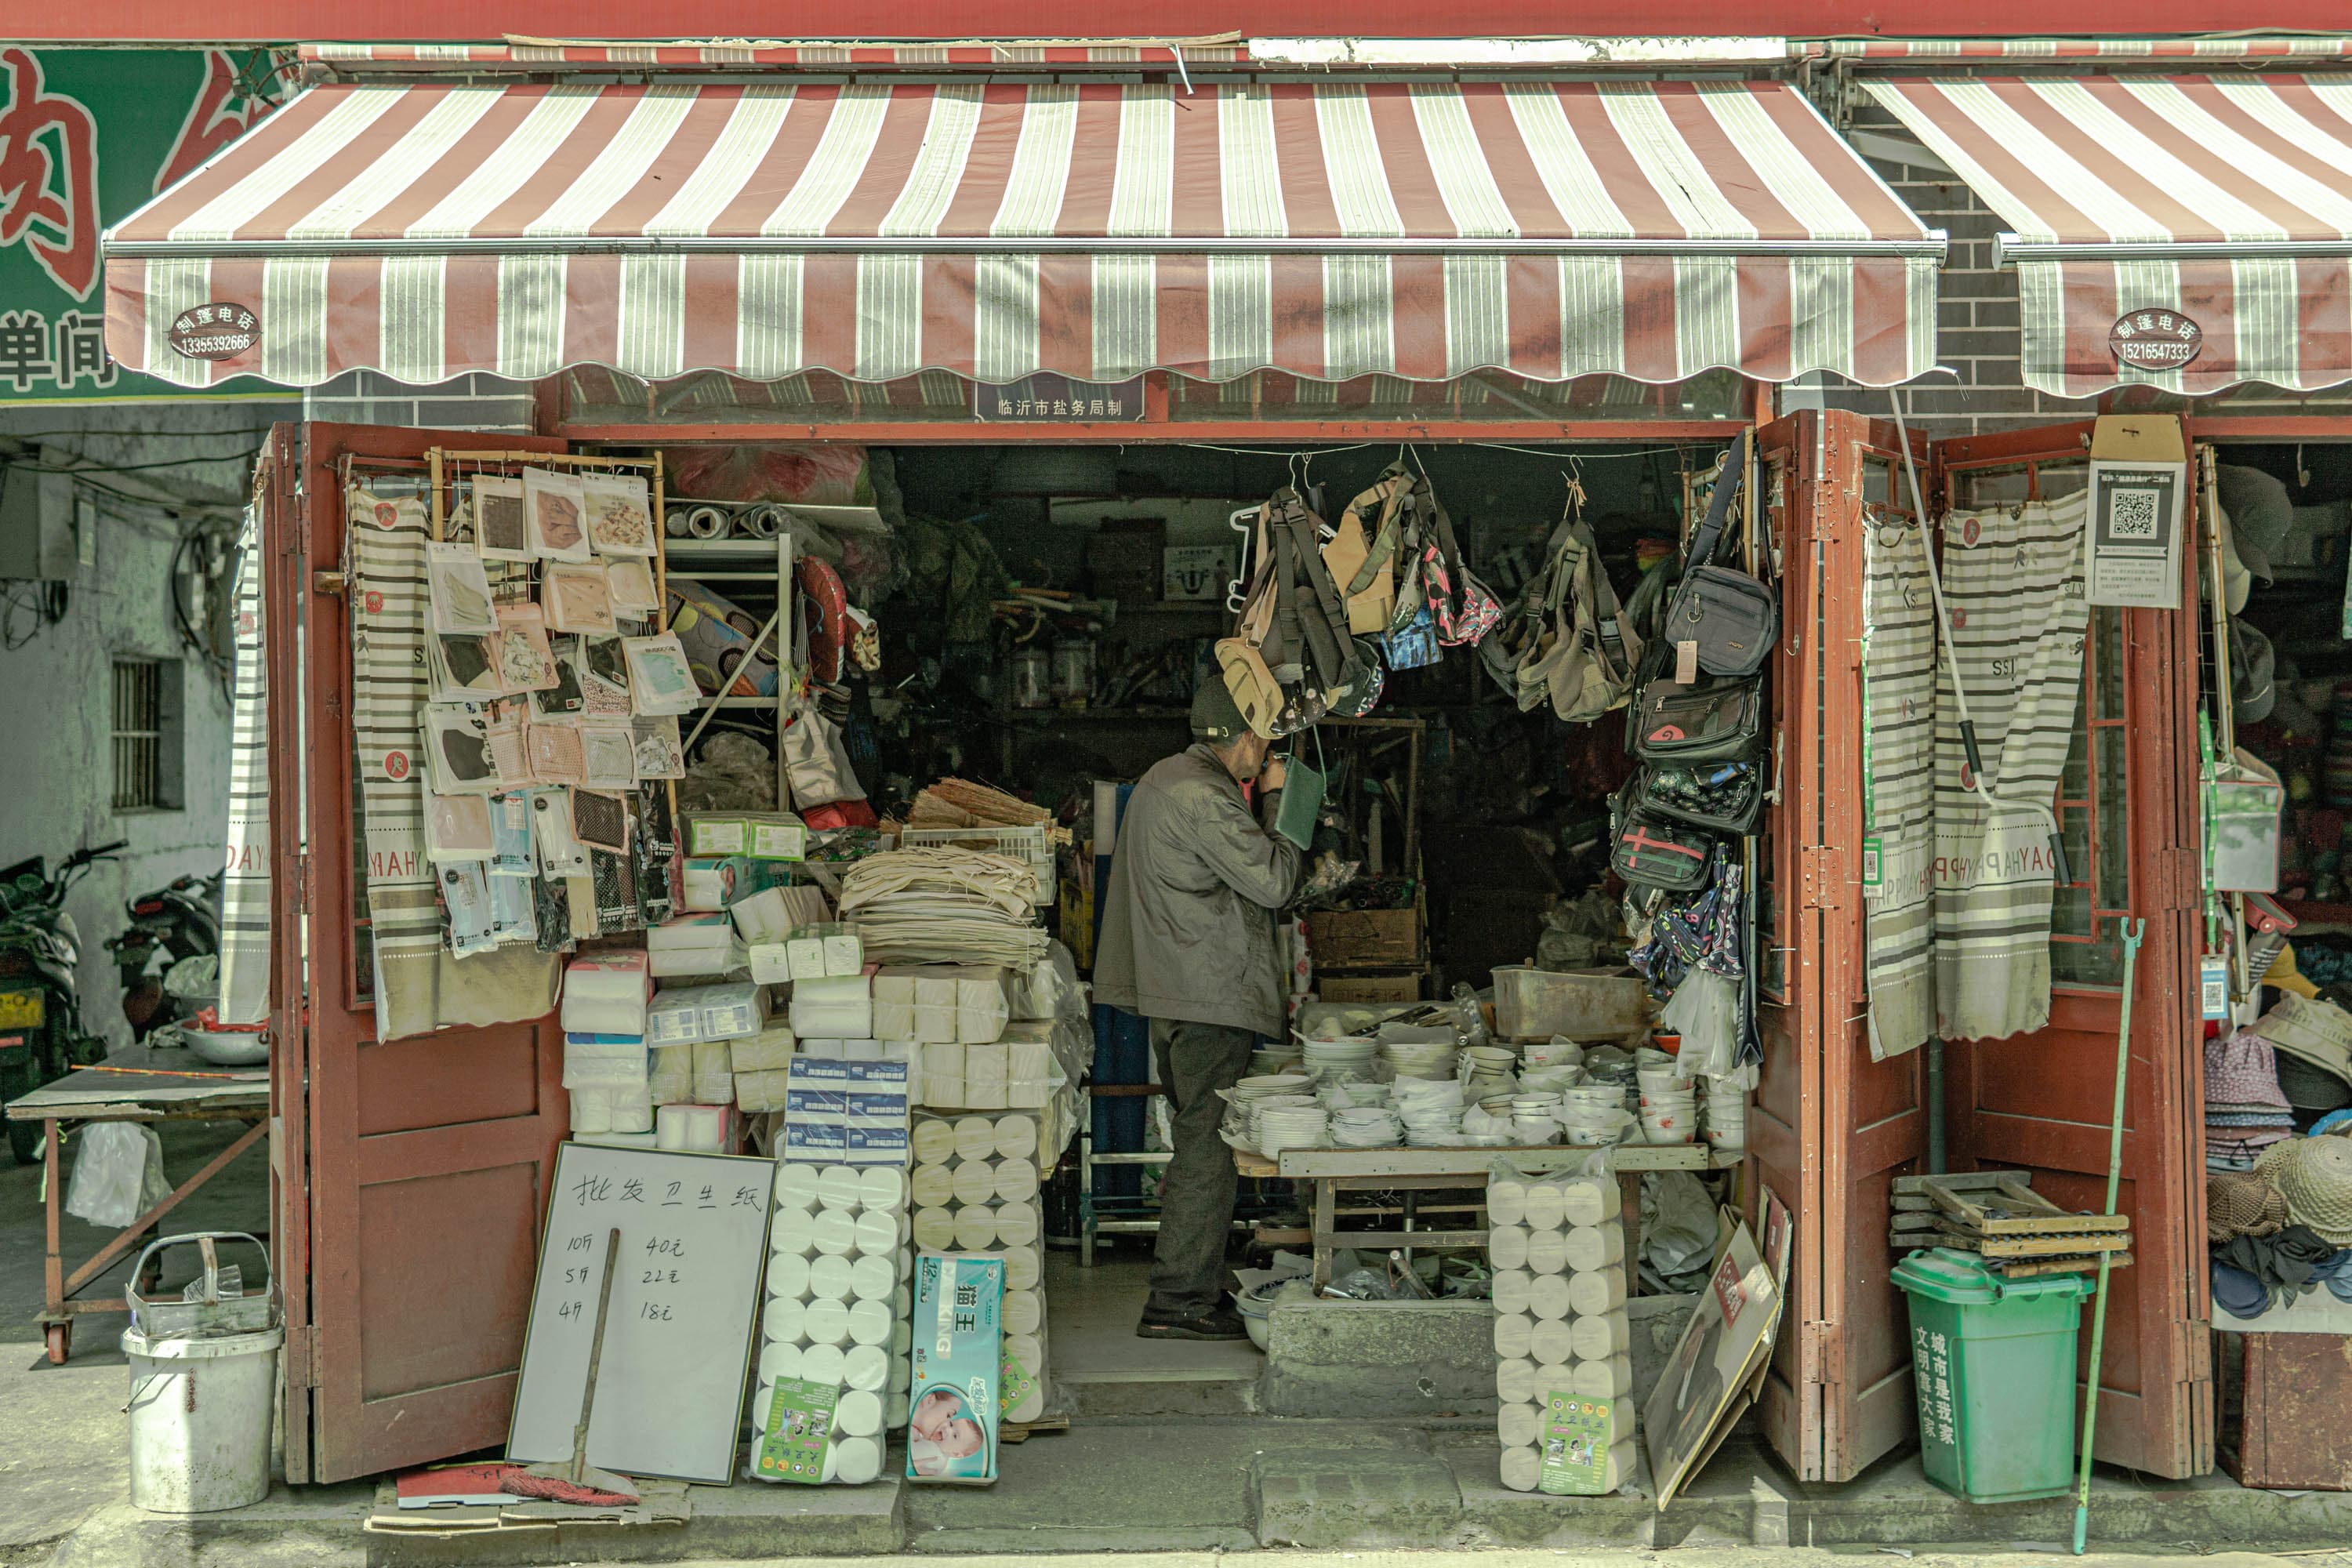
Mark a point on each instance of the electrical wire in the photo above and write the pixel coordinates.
(135, 467)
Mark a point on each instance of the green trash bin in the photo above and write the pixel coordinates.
(1992, 1364)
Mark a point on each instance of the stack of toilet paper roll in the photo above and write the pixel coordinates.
(1561, 1327)
(838, 1304)
(974, 1186)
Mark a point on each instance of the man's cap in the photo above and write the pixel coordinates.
(1216, 717)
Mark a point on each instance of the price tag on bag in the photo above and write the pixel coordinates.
(1685, 663)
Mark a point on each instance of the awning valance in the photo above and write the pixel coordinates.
(993, 229)
(2188, 232)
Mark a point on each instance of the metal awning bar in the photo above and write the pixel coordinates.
(1931, 246)
(2012, 250)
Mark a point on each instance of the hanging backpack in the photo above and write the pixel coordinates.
(1729, 617)
(1362, 554)
(1291, 659)
(1650, 851)
(1464, 608)
(1576, 647)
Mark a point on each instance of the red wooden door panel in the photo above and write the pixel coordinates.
(2040, 1101)
(414, 1172)
(1831, 1128)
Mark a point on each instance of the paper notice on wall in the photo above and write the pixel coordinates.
(2138, 492)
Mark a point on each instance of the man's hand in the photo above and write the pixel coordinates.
(1270, 777)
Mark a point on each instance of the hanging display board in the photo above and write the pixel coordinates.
(2139, 485)
(678, 1334)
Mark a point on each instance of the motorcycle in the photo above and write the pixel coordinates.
(41, 1036)
(171, 923)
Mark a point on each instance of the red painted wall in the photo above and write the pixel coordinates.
(390, 21)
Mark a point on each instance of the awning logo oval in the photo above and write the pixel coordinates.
(2155, 339)
(219, 330)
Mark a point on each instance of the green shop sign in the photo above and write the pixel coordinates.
(87, 138)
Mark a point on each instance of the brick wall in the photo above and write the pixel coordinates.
(467, 403)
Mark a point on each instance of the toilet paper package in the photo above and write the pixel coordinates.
(673, 1018)
(846, 1113)
(958, 1365)
(670, 1079)
(715, 881)
(732, 1010)
(770, 1050)
(605, 993)
(763, 1091)
(590, 1063)
(702, 1129)
(694, 944)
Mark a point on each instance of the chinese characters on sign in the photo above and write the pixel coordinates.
(1931, 1368)
(1058, 400)
(87, 137)
(2155, 339)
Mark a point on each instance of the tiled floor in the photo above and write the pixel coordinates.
(1091, 1316)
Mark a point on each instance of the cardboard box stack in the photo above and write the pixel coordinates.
(1564, 1371)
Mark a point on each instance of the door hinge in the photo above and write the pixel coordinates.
(302, 1357)
(1822, 870)
(1820, 1350)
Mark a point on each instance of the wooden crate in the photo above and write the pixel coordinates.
(2292, 1393)
(1365, 939)
(1384, 988)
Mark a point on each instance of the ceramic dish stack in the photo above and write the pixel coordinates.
(1280, 1127)
(1431, 1110)
(1669, 1104)
(975, 1187)
(1563, 1370)
(1487, 1069)
(1345, 1057)
(1366, 1127)
(838, 1305)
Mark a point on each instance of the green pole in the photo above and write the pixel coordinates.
(2133, 930)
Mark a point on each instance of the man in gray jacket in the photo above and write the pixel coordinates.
(1188, 942)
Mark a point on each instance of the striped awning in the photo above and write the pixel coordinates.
(998, 229)
(2188, 232)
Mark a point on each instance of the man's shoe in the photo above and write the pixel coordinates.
(1217, 1323)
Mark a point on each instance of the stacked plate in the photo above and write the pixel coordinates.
(1343, 1093)
(1281, 1126)
(1431, 1110)
(1347, 1056)
(1266, 1084)
(1366, 1127)
(1431, 1059)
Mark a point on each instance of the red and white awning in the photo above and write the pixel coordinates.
(1551, 230)
(2188, 232)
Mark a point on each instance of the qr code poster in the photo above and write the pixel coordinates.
(2136, 517)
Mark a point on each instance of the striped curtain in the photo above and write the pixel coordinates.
(1899, 675)
(2013, 587)
(244, 890)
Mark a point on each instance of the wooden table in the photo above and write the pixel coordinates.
(1330, 1172)
(143, 1086)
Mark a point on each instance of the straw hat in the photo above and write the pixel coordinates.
(2239, 1202)
(2315, 1176)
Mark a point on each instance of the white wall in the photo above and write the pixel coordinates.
(57, 691)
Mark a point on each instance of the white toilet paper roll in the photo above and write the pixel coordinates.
(829, 1467)
(1550, 1343)
(825, 1322)
(788, 1275)
(1510, 1289)
(780, 1321)
(1594, 1294)
(906, 1230)
(1016, 1137)
(822, 1363)
(1022, 1266)
(902, 1378)
(1506, 1247)
(830, 1277)
(902, 1338)
(1517, 1424)
(874, 1277)
(934, 1140)
(779, 1359)
(878, 1234)
(1506, 1200)
(975, 1182)
(933, 1186)
(866, 1367)
(1588, 1200)
(1546, 1251)
(975, 1137)
(1023, 1311)
(1511, 1333)
(1610, 1379)
(1620, 1467)
(1521, 1468)
(1029, 1406)
(1546, 1205)
(882, 1187)
(1016, 1224)
(1548, 1296)
(837, 1187)
(902, 1301)
(1599, 1337)
(869, 1322)
(975, 1228)
(796, 1186)
(895, 1409)
(1515, 1379)
(833, 1231)
(935, 1229)
(1595, 1246)
(1016, 1180)
(858, 1460)
(1027, 1351)
(793, 1231)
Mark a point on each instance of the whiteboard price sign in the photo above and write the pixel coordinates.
(678, 1334)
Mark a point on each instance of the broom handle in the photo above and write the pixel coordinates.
(2133, 930)
(595, 1359)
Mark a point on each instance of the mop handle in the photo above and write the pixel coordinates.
(2132, 931)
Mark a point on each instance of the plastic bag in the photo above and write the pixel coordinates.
(118, 1176)
(1705, 1011)
(1677, 1222)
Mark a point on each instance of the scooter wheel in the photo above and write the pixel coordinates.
(60, 1338)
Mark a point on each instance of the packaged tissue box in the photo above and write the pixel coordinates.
(605, 993)
(715, 881)
(589, 1062)
(674, 1017)
(694, 944)
(671, 1079)
(770, 1050)
(760, 835)
(958, 1366)
(734, 1008)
